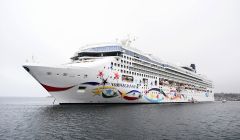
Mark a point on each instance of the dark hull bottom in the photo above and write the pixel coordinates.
(133, 103)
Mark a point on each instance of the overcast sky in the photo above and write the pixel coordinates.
(204, 32)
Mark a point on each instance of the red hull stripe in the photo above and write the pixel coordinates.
(130, 98)
(54, 89)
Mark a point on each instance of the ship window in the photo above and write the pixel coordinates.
(145, 81)
(124, 66)
(64, 74)
(81, 89)
(121, 71)
(127, 78)
(121, 61)
(49, 73)
(124, 61)
(115, 64)
(97, 54)
(155, 82)
(124, 71)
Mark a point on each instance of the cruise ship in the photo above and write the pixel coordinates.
(119, 73)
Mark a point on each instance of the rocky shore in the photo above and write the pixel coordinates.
(227, 96)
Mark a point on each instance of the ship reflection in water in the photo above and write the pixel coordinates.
(37, 118)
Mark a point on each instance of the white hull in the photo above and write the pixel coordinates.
(98, 82)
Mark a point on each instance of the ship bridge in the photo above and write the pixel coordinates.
(104, 50)
(99, 51)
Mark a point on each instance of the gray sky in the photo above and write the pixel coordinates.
(204, 32)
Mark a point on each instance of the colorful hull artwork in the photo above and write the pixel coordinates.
(154, 95)
(110, 92)
(105, 91)
(131, 95)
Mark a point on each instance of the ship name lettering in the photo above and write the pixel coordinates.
(123, 85)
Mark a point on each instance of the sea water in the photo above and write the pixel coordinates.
(38, 118)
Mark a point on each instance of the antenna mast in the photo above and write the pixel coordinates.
(127, 42)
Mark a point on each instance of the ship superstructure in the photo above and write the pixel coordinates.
(118, 73)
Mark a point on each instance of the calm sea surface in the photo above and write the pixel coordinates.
(37, 118)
